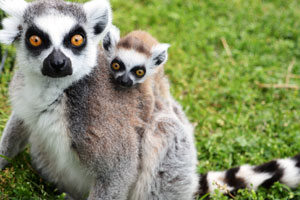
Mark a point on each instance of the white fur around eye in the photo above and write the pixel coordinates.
(131, 58)
(56, 26)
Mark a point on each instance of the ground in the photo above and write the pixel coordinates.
(222, 54)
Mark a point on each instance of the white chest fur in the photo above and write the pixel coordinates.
(43, 110)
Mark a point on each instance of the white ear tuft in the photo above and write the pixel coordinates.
(15, 8)
(159, 55)
(11, 30)
(99, 16)
(115, 32)
(11, 25)
(111, 40)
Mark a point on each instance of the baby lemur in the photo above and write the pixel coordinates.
(137, 59)
(134, 57)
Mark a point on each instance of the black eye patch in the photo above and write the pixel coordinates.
(34, 31)
(135, 70)
(77, 30)
(118, 61)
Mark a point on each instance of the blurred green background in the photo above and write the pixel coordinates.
(221, 54)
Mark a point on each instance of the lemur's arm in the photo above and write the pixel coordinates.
(14, 139)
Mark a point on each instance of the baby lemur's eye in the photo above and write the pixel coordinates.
(77, 40)
(115, 66)
(35, 41)
(140, 72)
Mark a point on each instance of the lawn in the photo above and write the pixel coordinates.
(221, 54)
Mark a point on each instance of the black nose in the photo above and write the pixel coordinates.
(57, 65)
(125, 82)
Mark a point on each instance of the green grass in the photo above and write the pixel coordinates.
(237, 122)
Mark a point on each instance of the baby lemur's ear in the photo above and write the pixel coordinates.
(159, 55)
(99, 17)
(111, 40)
(12, 25)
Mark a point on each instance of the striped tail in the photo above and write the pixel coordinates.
(286, 171)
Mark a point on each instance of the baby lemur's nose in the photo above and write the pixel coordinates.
(125, 82)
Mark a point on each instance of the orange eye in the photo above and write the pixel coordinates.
(140, 72)
(77, 40)
(35, 41)
(116, 66)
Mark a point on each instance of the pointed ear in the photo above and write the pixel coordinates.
(111, 40)
(11, 31)
(12, 28)
(99, 16)
(14, 8)
(159, 55)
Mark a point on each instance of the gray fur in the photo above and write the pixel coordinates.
(41, 7)
(111, 152)
(77, 102)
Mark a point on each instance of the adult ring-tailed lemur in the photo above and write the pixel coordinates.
(91, 138)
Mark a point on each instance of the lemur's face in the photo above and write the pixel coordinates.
(129, 67)
(54, 38)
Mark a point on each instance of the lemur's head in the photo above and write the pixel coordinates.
(55, 38)
(133, 58)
